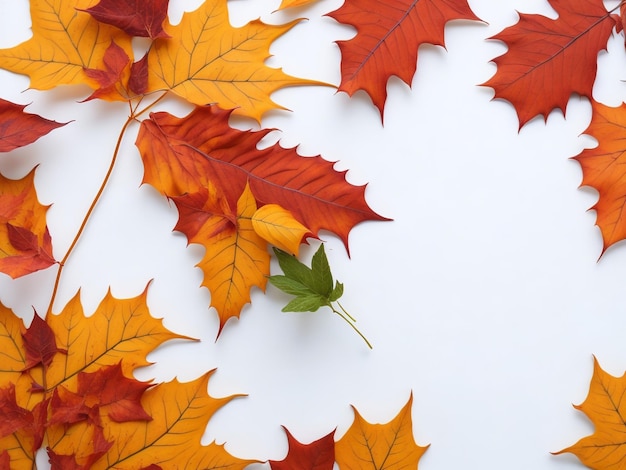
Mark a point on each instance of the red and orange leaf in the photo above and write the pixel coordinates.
(18, 128)
(236, 258)
(113, 80)
(40, 344)
(317, 455)
(605, 449)
(172, 439)
(67, 407)
(143, 18)
(207, 61)
(94, 440)
(181, 155)
(551, 59)
(12, 416)
(604, 169)
(64, 43)
(119, 330)
(376, 446)
(116, 395)
(25, 243)
(389, 35)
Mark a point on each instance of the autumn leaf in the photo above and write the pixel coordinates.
(113, 81)
(317, 455)
(295, 3)
(389, 35)
(551, 59)
(278, 227)
(18, 128)
(25, 243)
(379, 446)
(605, 449)
(603, 169)
(142, 18)
(229, 71)
(181, 155)
(64, 43)
(124, 329)
(40, 344)
(236, 257)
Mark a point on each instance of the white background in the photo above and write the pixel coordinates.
(484, 297)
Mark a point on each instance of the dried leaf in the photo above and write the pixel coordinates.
(551, 59)
(389, 35)
(605, 449)
(236, 258)
(377, 446)
(18, 128)
(25, 243)
(317, 455)
(229, 72)
(64, 43)
(143, 18)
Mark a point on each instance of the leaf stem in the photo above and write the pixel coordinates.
(347, 319)
(347, 314)
(87, 216)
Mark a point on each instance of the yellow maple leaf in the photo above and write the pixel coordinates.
(119, 330)
(277, 226)
(207, 61)
(605, 449)
(236, 257)
(64, 43)
(388, 446)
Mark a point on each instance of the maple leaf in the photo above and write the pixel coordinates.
(124, 329)
(236, 257)
(551, 59)
(389, 35)
(181, 155)
(604, 170)
(317, 455)
(25, 243)
(172, 439)
(39, 344)
(605, 449)
(18, 128)
(113, 81)
(64, 43)
(143, 18)
(379, 446)
(208, 61)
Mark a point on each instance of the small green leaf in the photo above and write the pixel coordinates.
(293, 268)
(289, 286)
(322, 277)
(337, 292)
(305, 303)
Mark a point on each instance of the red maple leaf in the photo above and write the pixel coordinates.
(39, 344)
(551, 59)
(182, 154)
(143, 18)
(111, 79)
(318, 455)
(100, 446)
(18, 128)
(14, 418)
(389, 35)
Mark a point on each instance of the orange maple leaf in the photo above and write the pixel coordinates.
(25, 243)
(604, 169)
(389, 35)
(236, 257)
(551, 59)
(379, 446)
(605, 449)
(206, 61)
(64, 43)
